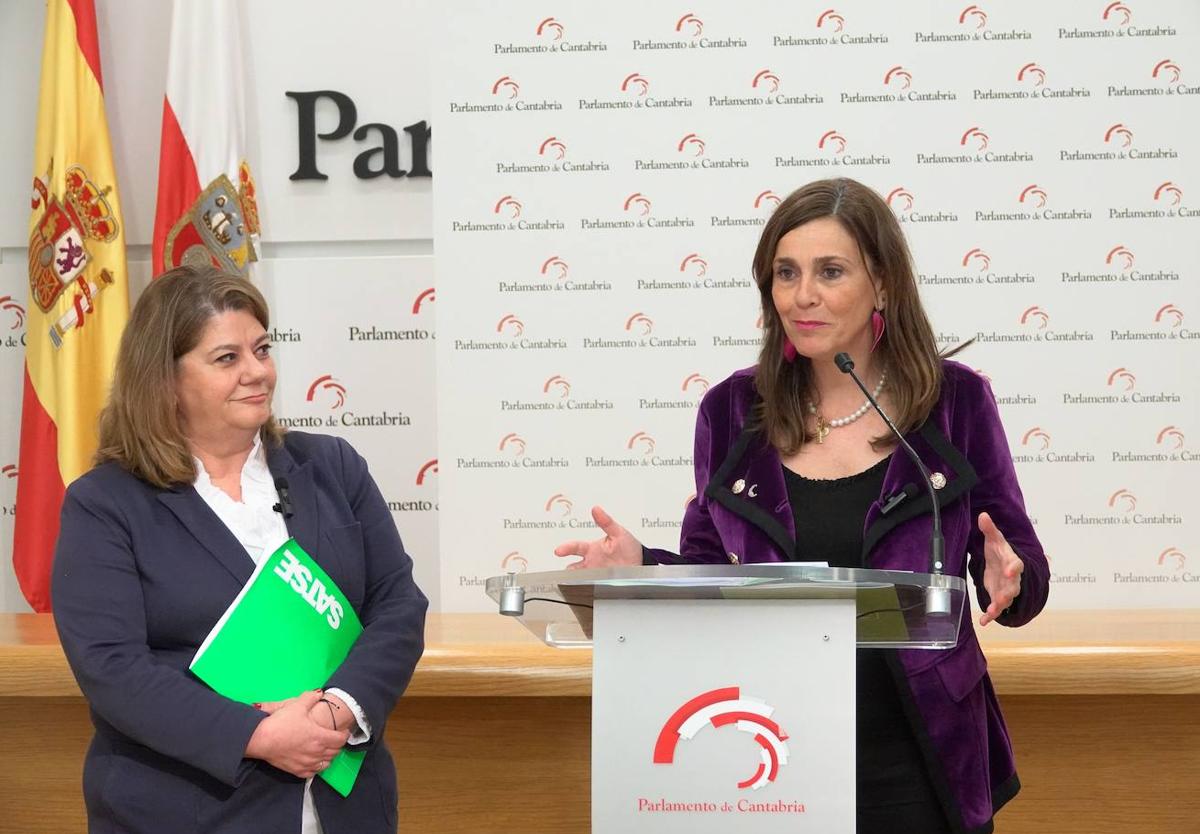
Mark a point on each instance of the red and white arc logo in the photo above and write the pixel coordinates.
(7, 303)
(719, 708)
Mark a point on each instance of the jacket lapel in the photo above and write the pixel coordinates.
(938, 455)
(304, 524)
(209, 531)
(749, 483)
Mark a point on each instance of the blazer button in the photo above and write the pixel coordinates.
(738, 486)
(733, 558)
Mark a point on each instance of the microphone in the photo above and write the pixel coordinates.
(937, 600)
(284, 506)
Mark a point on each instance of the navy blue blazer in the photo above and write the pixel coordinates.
(141, 574)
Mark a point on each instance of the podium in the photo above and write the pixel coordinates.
(723, 696)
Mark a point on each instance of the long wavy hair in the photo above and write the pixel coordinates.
(908, 349)
(139, 426)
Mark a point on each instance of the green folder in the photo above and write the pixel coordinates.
(287, 631)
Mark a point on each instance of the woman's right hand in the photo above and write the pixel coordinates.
(289, 740)
(618, 547)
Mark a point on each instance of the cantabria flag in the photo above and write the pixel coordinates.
(206, 211)
(78, 294)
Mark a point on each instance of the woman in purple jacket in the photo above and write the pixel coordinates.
(792, 464)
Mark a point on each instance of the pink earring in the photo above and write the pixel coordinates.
(877, 327)
(789, 350)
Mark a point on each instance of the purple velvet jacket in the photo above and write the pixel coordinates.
(947, 695)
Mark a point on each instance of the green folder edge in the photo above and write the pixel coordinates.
(344, 767)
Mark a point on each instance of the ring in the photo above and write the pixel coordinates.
(321, 765)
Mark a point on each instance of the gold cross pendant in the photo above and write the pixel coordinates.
(822, 429)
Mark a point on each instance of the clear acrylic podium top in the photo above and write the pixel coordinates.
(892, 605)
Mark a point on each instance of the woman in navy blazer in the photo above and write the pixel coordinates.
(145, 567)
(774, 459)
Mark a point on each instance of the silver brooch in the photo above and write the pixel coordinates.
(938, 480)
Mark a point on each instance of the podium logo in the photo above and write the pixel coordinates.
(550, 28)
(721, 708)
(1122, 376)
(645, 441)
(513, 443)
(1168, 191)
(1035, 316)
(505, 85)
(692, 142)
(337, 391)
(640, 320)
(835, 140)
(514, 563)
(552, 145)
(695, 264)
(430, 468)
(1171, 435)
(1117, 13)
(1036, 435)
(514, 325)
(639, 201)
(510, 203)
(979, 256)
(422, 297)
(1119, 132)
(1168, 70)
(1119, 251)
(557, 265)
(898, 74)
(973, 16)
(689, 21)
(1123, 500)
(974, 133)
(767, 80)
(559, 503)
(830, 16)
(1169, 312)
(18, 312)
(635, 83)
(1034, 195)
(1172, 556)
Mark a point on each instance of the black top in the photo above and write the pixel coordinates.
(830, 516)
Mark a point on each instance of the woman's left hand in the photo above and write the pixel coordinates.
(1001, 569)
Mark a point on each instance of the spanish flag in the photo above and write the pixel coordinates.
(78, 292)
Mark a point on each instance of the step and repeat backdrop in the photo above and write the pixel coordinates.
(599, 178)
(603, 175)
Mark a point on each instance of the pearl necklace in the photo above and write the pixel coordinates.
(823, 425)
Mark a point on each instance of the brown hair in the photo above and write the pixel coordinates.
(139, 426)
(908, 350)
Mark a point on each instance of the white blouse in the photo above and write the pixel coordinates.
(261, 530)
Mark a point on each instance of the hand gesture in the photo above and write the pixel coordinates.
(1002, 569)
(618, 547)
(291, 741)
